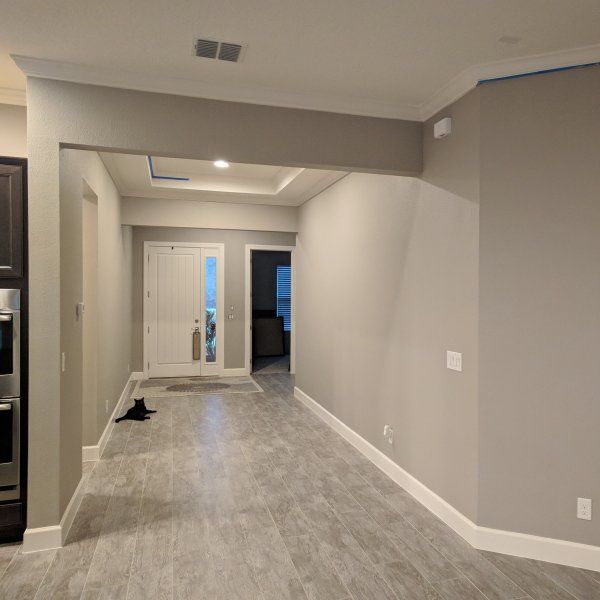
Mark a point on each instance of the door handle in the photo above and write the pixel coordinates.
(196, 343)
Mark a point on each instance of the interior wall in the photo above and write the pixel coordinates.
(387, 280)
(540, 303)
(62, 114)
(158, 212)
(81, 172)
(13, 128)
(235, 247)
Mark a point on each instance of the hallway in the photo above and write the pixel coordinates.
(252, 496)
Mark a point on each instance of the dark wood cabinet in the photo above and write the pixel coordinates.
(12, 194)
(13, 275)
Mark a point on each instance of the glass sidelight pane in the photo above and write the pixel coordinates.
(210, 289)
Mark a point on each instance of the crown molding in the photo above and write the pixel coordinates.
(48, 69)
(10, 96)
(451, 91)
(466, 80)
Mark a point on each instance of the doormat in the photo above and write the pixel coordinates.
(196, 386)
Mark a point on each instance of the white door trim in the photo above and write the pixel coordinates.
(248, 302)
(220, 300)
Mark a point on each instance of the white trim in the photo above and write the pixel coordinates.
(90, 453)
(220, 246)
(42, 538)
(49, 538)
(447, 93)
(71, 510)
(465, 81)
(562, 552)
(94, 453)
(248, 302)
(50, 69)
(10, 96)
(234, 372)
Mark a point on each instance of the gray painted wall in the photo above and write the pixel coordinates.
(540, 304)
(13, 128)
(159, 212)
(387, 282)
(235, 242)
(114, 308)
(64, 114)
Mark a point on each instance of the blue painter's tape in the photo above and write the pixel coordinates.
(154, 176)
(541, 72)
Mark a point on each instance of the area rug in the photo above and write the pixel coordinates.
(196, 386)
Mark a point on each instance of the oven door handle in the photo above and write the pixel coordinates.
(6, 317)
(5, 406)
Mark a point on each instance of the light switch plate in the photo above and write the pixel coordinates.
(454, 360)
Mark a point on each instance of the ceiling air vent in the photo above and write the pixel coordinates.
(206, 48)
(230, 52)
(219, 50)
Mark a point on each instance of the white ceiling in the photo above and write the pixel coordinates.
(240, 183)
(382, 57)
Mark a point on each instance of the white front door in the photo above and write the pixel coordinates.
(173, 311)
(183, 301)
(183, 307)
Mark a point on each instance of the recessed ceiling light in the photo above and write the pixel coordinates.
(221, 164)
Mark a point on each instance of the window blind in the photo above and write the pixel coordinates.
(284, 295)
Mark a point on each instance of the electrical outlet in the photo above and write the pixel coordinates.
(106, 405)
(63, 362)
(584, 509)
(454, 360)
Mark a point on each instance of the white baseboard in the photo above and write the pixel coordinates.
(234, 372)
(562, 552)
(136, 375)
(49, 538)
(42, 538)
(90, 453)
(93, 453)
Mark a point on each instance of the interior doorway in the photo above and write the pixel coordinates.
(183, 309)
(270, 314)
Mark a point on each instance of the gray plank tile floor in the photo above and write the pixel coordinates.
(252, 496)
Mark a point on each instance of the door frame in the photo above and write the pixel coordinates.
(248, 302)
(220, 298)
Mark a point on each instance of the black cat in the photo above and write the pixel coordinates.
(140, 402)
(138, 412)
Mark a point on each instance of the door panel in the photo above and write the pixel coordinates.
(184, 288)
(174, 307)
(11, 220)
